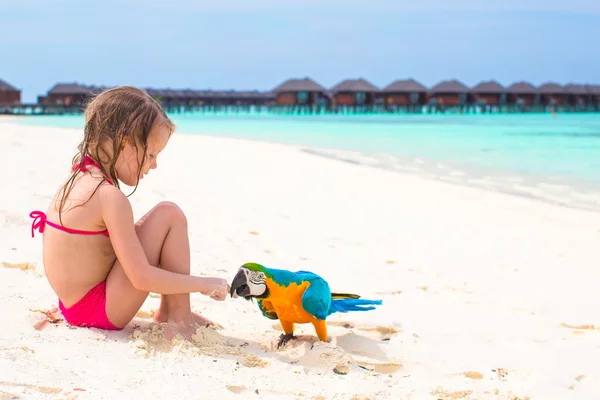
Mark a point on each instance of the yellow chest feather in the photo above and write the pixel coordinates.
(286, 301)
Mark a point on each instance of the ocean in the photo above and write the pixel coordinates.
(555, 159)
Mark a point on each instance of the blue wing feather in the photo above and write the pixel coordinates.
(307, 273)
(317, 297)
(345, 305)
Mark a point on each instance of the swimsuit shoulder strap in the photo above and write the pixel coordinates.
(87, 161)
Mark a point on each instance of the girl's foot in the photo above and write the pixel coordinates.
(185, 329)
(186, 326)
(161, 315)
(200, 320)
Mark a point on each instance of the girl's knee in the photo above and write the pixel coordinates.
(171, 210)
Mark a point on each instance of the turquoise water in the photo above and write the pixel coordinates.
(540, 145)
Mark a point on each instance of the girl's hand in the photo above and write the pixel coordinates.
(216, 288)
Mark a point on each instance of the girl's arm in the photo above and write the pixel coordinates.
(118, 217)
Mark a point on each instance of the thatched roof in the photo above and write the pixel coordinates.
(451, 86)
(593, 89)
(70, 89)
(488, 87)
(354, 85)
(551, 88)
(299, 85)
(521, 88)
(404, 86)
(208, 94)
(5, 87)
(177, 93)
(98, 89)
(573, 88)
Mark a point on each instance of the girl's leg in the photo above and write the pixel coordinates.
(163, 234)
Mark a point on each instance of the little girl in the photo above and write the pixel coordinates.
(101, 264)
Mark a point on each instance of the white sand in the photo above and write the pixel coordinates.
(486, 296)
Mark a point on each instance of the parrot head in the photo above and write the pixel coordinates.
(250, 282)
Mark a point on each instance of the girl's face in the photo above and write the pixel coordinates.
(128, 163)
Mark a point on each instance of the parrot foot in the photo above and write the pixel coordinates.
(283, 339)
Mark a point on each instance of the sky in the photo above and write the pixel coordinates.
(258, 44)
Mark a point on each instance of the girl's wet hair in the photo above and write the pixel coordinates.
(113, 118)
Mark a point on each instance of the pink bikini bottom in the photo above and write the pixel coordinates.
(90, 311)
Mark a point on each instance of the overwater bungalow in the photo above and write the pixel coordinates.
(354, 92)
(268, 98)
(240, 98)
(488, 93)
(552, 94)
(69, 94)
(404, 93)
(173, 97)
(300, 92)
(188, 98)
(594, 91)
(578, 96)
(450, 93)
(9, 94)
(522, 94)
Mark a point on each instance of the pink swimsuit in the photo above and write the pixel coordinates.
(90, 311)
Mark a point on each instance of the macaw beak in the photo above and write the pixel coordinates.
(240, 285)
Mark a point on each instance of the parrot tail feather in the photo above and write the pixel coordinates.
(344, 296)
(352, 304)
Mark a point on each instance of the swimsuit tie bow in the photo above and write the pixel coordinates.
(39, 222)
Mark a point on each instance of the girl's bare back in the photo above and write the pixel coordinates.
(74, 264)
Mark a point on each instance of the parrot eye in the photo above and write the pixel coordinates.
(257, 277)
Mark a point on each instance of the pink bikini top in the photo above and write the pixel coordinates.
(39, 218)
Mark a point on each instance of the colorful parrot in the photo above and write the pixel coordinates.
(294, 298)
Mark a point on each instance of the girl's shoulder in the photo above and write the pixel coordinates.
(113, 202)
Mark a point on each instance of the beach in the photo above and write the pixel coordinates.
(486, 295)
